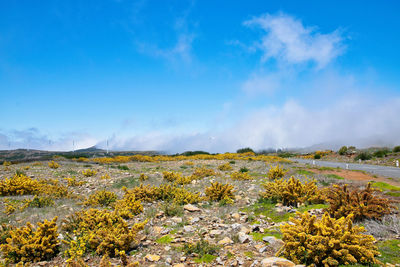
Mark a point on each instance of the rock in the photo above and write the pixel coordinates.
(236, 226)
(168, 260)
(188, 228)
(176, 219)
(215, 232)
(179, 265)
(191, 208)
(157, 229)
(275, 243)
(236, 216)
(152, 258)
(276, 262)
(160, 214)
(225, 241)
(262, 249)
(245, 230)
(194, 220)
(182, 259)
(243, 238)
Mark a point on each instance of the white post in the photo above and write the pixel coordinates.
(313, 162)
(397, 163)
(347, 166)
(359, 161)
(107, 146)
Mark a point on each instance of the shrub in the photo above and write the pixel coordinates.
(292, 191)
(343, 150)
(201, 248)
(27, 244)
(123, 167)
(361, 203)
(54, 165)
(74, 182)
(166, 192)
(200, 173)
(99, 231)
(89, 173)
(19, 185)
(6, 163)
(143, 177)
(225, 167)
(40, 202)
(101, 198)
(177, 178)
(396, 149)
(328, 242)
(218, 192)
(245, 150)
(241, 176)
(381, 153)
(105, 176)
(363, 156)
(276, 172)
(244, 169)
(317, 156)
(128, 205)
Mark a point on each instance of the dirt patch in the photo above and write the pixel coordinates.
(357, 176)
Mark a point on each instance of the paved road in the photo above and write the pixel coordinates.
(374, 169)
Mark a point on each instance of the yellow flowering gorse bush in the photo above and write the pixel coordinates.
(327, 242)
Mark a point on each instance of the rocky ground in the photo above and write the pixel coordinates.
(245, 233)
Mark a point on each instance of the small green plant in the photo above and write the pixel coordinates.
(172, 209)
(166, 239)
(123, 167)
(343, 150)
(363, 156)
(244, 169)
(200, 248)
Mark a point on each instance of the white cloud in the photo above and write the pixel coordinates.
(262, 84)
(34, 139)
(288, 40)
(345, 122)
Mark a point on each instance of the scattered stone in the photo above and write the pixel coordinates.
(168, 260)
(243, 238)
(188, 228)
(225, 241)
(182, 259)
(215, 232)
(276, 262)
(275, 243)
(179, 265)
(152, 258)
(236, 216)
(191, 208)
(194, 220)
(176, 219)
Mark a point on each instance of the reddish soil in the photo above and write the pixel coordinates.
(357, 176)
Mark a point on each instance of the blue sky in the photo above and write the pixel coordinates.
(210, 75)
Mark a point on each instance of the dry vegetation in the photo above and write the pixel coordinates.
(225, 210)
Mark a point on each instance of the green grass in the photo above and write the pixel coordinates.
(334, 176)
(259, 236)
(390, 251)
(266, 208)
(249, 254)
(305, 172)
(385, 187)
(207, 258)
(166, 239)
(128, 182)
